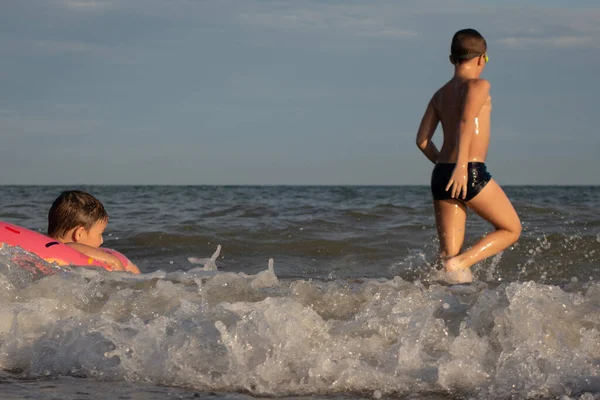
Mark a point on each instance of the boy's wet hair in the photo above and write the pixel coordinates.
(72, 209)
(467, 44)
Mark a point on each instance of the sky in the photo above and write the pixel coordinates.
(267, 92)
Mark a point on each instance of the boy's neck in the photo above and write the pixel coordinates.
(60, 239)
(465, 72)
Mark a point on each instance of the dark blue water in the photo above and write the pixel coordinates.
(349, 307)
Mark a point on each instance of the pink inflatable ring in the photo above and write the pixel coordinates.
(49, 249)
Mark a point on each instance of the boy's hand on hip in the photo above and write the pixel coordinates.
(458, 182)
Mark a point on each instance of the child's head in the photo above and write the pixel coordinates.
(467, 44)
(77, 216)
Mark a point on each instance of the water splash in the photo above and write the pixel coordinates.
(234, 332)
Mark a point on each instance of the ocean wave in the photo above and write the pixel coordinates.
(232, 332)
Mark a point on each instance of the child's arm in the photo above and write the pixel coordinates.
(429, 123)
(131, 267)
(126, 262)
(477, 93)
(99, 255)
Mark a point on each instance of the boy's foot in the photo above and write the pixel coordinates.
(460, 276)
(454, 273)
(452, 264)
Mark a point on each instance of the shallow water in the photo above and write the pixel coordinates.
(349, 308)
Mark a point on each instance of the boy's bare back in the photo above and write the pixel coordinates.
(468, 101)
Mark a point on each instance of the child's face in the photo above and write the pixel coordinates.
(93, 236)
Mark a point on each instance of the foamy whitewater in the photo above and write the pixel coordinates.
(352, 310)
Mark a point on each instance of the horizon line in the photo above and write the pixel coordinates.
(280, 185)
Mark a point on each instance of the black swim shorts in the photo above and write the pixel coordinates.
(477, 178)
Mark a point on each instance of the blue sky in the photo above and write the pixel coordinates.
(285, 92)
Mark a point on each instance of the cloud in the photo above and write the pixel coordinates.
(54, 48)
(559, 42)
(22, 127)
(550, 27)
(507, 24)
(68, 47)
(16, 47)
(355, 21)
(87, 5)
(516, 26)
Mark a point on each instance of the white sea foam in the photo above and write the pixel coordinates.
(211, 330)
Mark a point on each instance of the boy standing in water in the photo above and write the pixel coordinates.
(78, 219)
(460, 178)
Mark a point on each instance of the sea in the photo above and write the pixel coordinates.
(303, 292)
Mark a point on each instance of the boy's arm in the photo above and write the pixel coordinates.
(131, 267)
(429, 123)
(99, 255)
(477, 93)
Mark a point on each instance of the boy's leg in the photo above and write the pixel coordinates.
(492, 205)
(450, 220)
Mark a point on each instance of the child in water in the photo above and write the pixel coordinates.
(78, 219)
(460, 178)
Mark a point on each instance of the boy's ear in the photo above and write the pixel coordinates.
(451, 59)
(77, 233)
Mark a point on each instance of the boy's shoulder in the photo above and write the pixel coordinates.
(435, 99)
(478, 84)
(438, 93)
